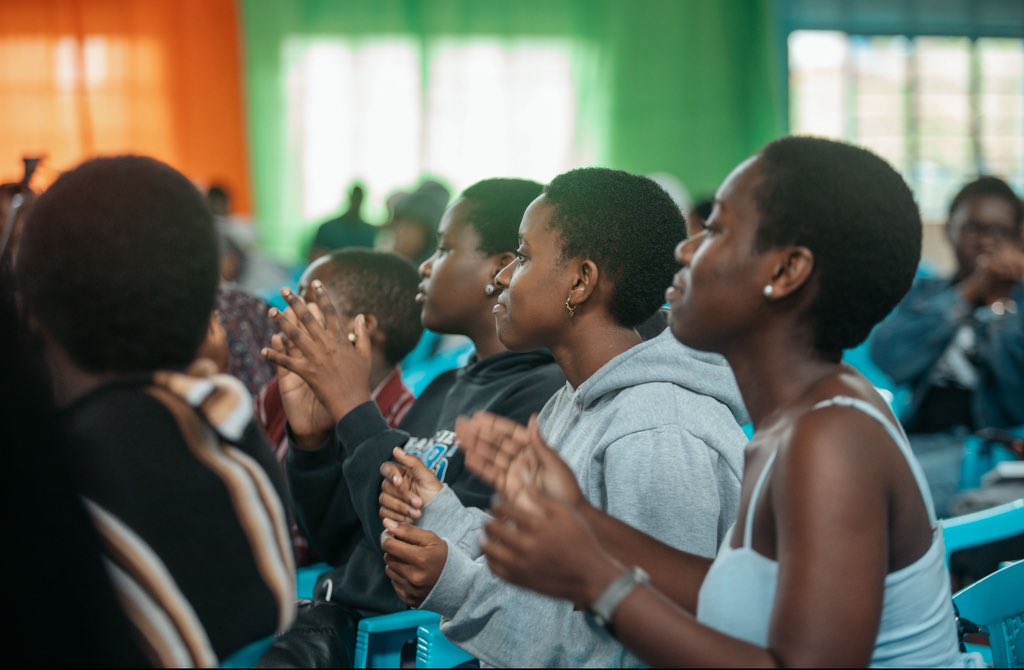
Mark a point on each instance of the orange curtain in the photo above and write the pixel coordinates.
(81, 78)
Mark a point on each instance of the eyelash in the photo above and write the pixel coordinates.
(520, 257)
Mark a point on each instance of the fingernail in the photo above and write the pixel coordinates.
(390, 524)
(264, 351)
(317, 283)
(273, 312)
(417, 502)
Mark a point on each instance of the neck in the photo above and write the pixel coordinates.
(379, 369)
(70, 382)
(774, 373)
(589, 345)
(485, 339)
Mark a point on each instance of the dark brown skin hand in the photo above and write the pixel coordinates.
(408, 487)
(335, 368)
(994, 276)
(527, 543)
(508, 456)
(414, 560)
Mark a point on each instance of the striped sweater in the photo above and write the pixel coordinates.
(187, 497)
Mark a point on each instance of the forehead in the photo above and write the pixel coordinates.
(456, 224)
(742, 181)
(537, 218)
(990, 208)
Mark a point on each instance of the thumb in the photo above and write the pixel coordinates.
(543, 451)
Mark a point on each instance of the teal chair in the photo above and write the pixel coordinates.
(994, 606)
(305, 579)
(434, 650)
(380, 640)
(982, 452)
(983, 527)
(249, 655)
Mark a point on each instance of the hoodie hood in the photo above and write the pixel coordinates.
(665, 359)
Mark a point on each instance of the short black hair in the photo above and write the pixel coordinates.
(625, 223)
(496, 208)
(857, 216)
(987, 185)
(119, 261)
(382, 283)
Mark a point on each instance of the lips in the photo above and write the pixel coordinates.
(421, 294)
(500, 306)
(677, 289)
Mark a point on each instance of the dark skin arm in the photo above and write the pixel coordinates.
(830, 499)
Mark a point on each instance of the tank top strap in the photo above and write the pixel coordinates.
(898, 436)
(748, 523)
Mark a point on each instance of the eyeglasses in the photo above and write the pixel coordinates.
(978, 229)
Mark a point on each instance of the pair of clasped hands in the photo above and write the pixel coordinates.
(324, 373)
(537, 512)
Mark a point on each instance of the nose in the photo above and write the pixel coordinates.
(503, 277)
(686, 248)
(427, 266)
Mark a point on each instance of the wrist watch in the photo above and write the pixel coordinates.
(604, 607)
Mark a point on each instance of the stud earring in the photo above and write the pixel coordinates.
(489, 289)
(569, 307)
(768, 290)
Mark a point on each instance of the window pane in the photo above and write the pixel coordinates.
(1001, 108)
(880, 64)
(816, 77)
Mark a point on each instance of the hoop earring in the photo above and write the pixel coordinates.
(489, 289)
(570, 307)
(768, 290)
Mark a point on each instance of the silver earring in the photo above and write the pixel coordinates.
(489, 289)
(768, 290)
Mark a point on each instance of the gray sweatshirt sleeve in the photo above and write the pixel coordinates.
(449, 518)
(661, 481)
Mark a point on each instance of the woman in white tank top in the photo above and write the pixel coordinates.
(836, 557)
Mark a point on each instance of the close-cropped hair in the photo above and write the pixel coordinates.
(990, 186)
(858, 217)
(118, 260)
(363, 281)
(496, 210)
(627, 225)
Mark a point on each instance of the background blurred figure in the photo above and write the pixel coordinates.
(347, 230)
(959, 341)
(414, 223)
(242, 262)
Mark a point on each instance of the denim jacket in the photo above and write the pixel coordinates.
(910, 341)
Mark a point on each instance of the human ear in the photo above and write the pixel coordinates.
(792, 267)
(585, 282)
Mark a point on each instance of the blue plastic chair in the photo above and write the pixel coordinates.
(983, 527)
(434, 650)
(380, 640)
(981, 455)
(249, 655)
(305, 579)
(995, 604)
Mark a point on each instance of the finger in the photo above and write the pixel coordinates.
(398, 506)
(392, 472)
(390, 515)
(328, 312)
(281, 360)
(401, 551)
(398, 580)
(310, 323)
(467, 430)
(528, 510)
(363, 344)
(417, 468)
(413, 535)
(293, 331)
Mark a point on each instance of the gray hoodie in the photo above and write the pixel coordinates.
(654, 438)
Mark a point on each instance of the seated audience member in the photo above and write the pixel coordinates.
(836, 557)
(347, 230)
(117, 271)
(44, 517)
(650, 430)
(333, 464)
(415, 219)
(959, 341)
(242, 317)
(382, 287)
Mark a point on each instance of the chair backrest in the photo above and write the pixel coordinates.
(996, 603)
(980, 456)
(434, 650)
(983, 527)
